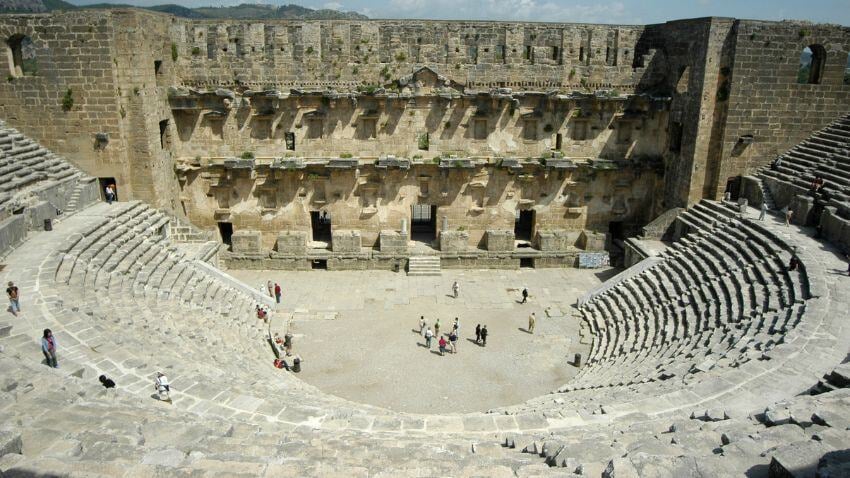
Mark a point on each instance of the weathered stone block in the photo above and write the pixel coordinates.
(345, 241)
(500, 240)
(292, 242)
(454, 241)
(556, 240)
(592, 241)
(246, 242)
(393, 241)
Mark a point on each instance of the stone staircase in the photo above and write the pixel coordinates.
(424, 266)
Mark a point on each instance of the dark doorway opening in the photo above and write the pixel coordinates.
(526, 263)
(320, 222)
(103, 183)
(164, 135)
(524, 224)
(225, 229)
(319, 264)
(559, 140)
(423, 222)
(732, 185)
(617, 230)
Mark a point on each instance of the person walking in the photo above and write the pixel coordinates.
(484, 334)
(442, 344)
(277, 292)
(437, 328)
(532, 320)
(763, 210)
(110, 194)
(453, 341)
(456, 326)
(524, 295)
(422, 325)
(478, 334)
(455, 289)
(14, 296)
(270, 288)
(163, 388)
(428, 336)
(48, 348)
(788, 215)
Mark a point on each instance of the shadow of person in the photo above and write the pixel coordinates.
(422, 345)
(474, 342)
(524, 330)
(436, 352)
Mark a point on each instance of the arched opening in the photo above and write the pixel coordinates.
(21, 52)
(812, 62)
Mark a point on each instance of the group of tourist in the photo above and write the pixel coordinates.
(445, 342)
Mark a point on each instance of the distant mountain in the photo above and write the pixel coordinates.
(34, 6)
(258, 11)
(245, 11)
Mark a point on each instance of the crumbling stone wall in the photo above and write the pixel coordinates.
(765, 100)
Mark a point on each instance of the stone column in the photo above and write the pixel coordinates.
(445, 226)
(404, 227)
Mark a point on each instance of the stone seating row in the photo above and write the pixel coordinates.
(126, 303)
(721, 297)
(826, 154)
(113, 433)
(24, 162)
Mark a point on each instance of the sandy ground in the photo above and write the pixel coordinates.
(357, 332)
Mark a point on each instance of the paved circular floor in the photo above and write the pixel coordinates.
(357, 332)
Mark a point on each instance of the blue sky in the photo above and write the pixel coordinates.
(599, 11)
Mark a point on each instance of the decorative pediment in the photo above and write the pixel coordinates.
(426, 80)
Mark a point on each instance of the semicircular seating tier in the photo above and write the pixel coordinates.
(699, 356)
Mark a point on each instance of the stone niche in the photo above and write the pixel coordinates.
(393, 242)
(592, 241)
(500, 240)
(246, 242)
(557, 240)
(292, 242)
(346, 241)
(454, 241)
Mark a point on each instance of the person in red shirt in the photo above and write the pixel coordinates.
(277, 292)
(442, 344)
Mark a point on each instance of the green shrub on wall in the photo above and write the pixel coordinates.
(68, 100)
(173, 52)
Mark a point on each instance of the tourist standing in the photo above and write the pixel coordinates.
(110, 194)
(48, 348)
(277, 292)
(422, 325)
(437, 328)
(270, 287)
(442, 344)
(428, 336)
(455, 289)
(763, 210)
(478, 334)
(793, 263)
(453, 341)
(484, 334)
(524, 295)
(532, 320)
(14, 303)
(788, 215)
(456, 326)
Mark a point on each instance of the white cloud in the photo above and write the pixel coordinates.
(332, 6)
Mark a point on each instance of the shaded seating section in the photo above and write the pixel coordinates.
(721, 297)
